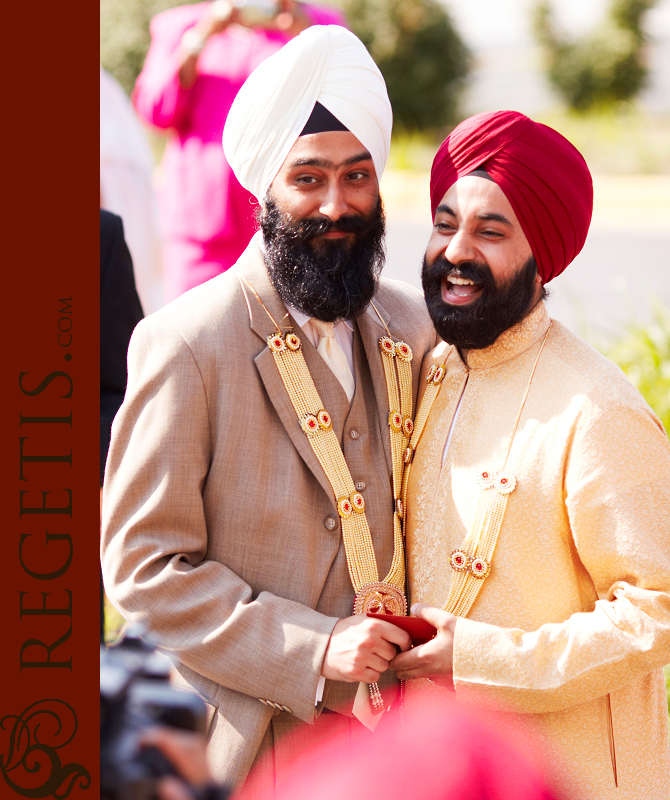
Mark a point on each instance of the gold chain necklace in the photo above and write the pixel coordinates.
(471, 563)
(372, 595)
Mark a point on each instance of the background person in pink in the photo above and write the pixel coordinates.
(200, 56)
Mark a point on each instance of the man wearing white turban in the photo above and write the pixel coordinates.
(253, 484)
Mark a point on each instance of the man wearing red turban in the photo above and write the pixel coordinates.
(537, 480)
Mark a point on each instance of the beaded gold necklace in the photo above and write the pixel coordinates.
(372, 595)
(471, 563)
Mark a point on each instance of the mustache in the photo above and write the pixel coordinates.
(470, 270)
(312, 227)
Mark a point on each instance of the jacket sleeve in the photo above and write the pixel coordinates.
(155, 540)
(617, 498)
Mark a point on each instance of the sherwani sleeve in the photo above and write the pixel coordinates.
(617, 499)
(155, 540)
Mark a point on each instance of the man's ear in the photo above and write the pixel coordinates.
(540, 291)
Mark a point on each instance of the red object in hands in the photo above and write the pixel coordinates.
(420, 630)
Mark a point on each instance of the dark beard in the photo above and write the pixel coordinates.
(331, 279)
(480, 323)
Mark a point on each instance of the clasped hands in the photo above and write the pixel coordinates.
(361, 648)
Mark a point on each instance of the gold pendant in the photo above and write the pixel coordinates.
(380, 598)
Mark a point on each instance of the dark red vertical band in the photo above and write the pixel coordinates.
(49, 737)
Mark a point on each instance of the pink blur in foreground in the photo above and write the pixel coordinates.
(442, 751)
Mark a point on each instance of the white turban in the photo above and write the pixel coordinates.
(325, 63)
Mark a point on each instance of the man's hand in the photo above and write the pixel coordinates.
(185, 750)
(434, 659)
(360, 649)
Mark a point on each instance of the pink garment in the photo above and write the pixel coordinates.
(203, 207)
(436, 750)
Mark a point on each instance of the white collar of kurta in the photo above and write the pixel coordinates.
(344, 333)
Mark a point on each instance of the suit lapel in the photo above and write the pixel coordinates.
(371, 329)
(252, 271)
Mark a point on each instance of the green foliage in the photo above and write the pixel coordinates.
(421, 56)
(124, 35)
(114, 623)
(617, 141)
(600, 70)
(644, 355)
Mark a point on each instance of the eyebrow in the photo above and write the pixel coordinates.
(495, 218)
(325, 164)
(492, 217)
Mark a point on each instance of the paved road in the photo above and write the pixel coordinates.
(615, 279)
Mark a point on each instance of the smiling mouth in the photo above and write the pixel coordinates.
(459, 291)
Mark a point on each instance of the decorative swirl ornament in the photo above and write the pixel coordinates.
(31, 767)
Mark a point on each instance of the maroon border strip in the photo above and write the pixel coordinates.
(49, 586)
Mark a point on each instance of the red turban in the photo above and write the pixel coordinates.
(543, 176)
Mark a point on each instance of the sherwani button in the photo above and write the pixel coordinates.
(354, 434)
(330, 523)
(360, 486)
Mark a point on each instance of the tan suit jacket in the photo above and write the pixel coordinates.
(218, 519)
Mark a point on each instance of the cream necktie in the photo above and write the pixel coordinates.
(334, 355)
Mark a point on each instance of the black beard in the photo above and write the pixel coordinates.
(329, 279)
(480, 323)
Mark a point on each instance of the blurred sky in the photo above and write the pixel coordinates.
(508, 63)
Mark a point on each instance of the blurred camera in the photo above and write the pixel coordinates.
(134, 694)
(256, 13)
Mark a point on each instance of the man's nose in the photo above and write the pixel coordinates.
(460, 248)
(334, 204)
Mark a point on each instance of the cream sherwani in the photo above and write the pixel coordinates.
(219, 525)
(576, 608)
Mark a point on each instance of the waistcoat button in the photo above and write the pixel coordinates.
(354, 434)
(330, 523)
(360, 486)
